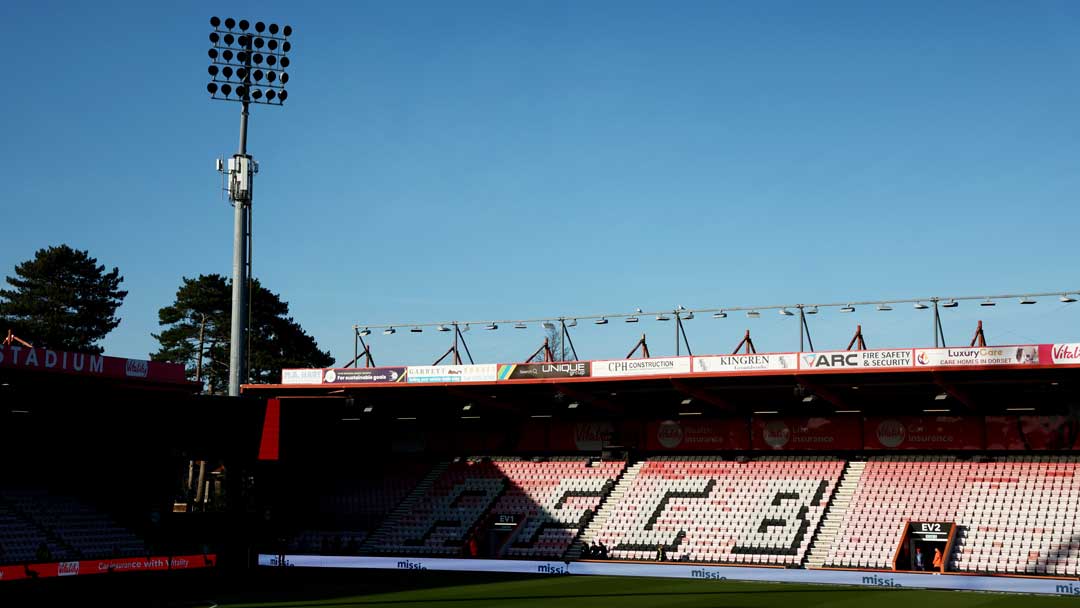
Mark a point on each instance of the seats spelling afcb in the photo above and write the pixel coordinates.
(702, 509)
(550, 501)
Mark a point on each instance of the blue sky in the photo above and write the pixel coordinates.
(473, 160)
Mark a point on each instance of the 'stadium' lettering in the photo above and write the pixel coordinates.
(410, 565)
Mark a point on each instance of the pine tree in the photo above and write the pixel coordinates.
(62, 299)
(197, 333)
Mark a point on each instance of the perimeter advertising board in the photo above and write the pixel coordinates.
(301, 376)
(923, 433)
(1060, 354)
(453, 373)
(977, 356)
(856, 359)
(747, 362)
(698, 435)
(663, 366)
(363, 375)
(539, 371)
(1033, 432)
(815, 433)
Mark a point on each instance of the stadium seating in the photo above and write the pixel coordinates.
(1016, 515)
(551, 500)
(69, 529)
(705, 509)
(350, 509)
(555, 499)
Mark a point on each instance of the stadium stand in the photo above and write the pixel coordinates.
(554, 500)
(700, 508)
(350, 509)
(1016, 514)
(68, 528)
(557, 499)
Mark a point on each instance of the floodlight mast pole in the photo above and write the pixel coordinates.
(241, 262)
(240, 64)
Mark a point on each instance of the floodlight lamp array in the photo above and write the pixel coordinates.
(249, 66)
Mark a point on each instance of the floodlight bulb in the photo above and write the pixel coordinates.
(287, 30)
(244, 25)
(230, 23)
(215, 21)
(270, 95)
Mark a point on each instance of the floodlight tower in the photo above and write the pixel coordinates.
(247, 67)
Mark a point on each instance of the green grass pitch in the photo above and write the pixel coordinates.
(461, 591)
